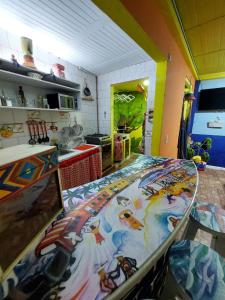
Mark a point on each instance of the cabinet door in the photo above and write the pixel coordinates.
(25, 214)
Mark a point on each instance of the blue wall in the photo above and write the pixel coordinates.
(217, 153)
(201, 131)
(201, 120)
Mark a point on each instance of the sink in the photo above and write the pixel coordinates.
(64, 152)
(68, 153)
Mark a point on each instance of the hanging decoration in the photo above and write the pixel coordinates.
(118, 97)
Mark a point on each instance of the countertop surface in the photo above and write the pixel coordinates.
(76, 152)
(10, 154)
(113, 232)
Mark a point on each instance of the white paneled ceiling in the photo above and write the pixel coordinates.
(97, 43)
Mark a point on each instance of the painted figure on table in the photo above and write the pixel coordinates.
(95, 230)
(107, 283)
(171, 198)
(173, 221)
(126, 217)
(124, 201)
(127, 265)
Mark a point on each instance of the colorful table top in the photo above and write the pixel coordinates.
(112, 229)
(199, 270)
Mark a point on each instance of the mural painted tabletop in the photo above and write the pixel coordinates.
(111, 232)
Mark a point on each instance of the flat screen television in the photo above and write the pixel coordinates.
(212, 99)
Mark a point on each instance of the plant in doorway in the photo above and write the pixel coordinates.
(199, 152)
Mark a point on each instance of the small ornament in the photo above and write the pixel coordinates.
(14, 60)
(27, 48)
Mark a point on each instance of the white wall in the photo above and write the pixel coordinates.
(143, 70)
(202, 118)
(87, 116)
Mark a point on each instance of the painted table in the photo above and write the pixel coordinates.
(112, 234)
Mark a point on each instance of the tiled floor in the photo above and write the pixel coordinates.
(212, 186)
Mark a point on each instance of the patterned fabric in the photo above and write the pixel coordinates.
(209, 215)
(199, 270)
(109, 229)
(81, 171)
(95, 166)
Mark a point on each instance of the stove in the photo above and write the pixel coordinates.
(105, 141)
(98, 139)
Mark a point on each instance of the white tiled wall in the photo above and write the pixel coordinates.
(86, 116)
(139, 71)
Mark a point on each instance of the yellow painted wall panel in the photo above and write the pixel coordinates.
(206, 38)
(211, 63)
(196, 12)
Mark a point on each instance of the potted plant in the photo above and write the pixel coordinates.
(199, 152)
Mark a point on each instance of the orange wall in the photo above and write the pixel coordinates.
(149, 15)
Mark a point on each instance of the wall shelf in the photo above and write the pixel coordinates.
(22, 79)
(18, 74)
(36, 108)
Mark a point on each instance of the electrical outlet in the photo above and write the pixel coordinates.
(166, 139)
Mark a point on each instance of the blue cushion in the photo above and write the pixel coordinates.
(198, 269)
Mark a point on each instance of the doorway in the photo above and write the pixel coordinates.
(185, 120)
(129, 104)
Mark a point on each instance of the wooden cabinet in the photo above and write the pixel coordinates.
(30, 198)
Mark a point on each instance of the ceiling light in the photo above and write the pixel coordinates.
(146, 82)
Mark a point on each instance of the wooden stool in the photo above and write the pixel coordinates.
(198, 272)
(210, 218)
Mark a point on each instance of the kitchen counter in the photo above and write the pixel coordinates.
(83, 164)
(77, 151)
(115, 231)
(21, 151)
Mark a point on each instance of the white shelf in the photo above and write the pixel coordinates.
(23, 79)
(36, 108)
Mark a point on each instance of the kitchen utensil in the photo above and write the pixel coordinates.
(42, 132)
(45, 131)
(34, 130)
(31, 140)
(87, 91)
(38, 134)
